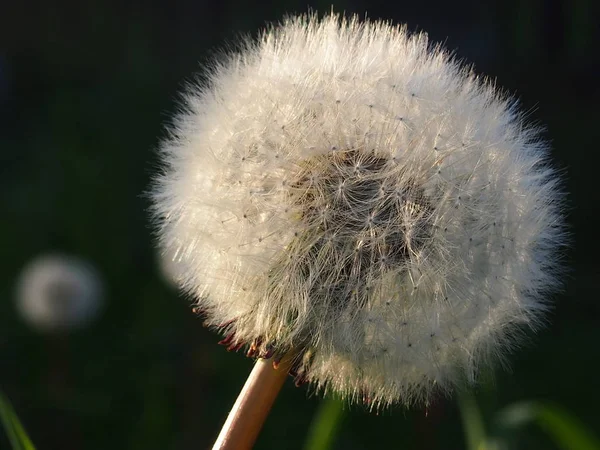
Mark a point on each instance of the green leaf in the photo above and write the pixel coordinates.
(565, 429)
(324, 427)
(472, 421)
(14, 429)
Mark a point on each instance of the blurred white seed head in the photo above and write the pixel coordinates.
(57, 293)
(170, 269)
(347, 190)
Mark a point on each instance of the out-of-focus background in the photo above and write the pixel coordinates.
(86, 89)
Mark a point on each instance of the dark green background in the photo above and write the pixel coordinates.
(86, 89)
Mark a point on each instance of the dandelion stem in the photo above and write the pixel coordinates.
(253, 405)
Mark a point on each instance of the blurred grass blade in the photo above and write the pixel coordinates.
(16, 433)
(565, 429)
(5, 416)
(323, 429)
(472, 421)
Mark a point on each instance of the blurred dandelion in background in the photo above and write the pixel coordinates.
(58, 293)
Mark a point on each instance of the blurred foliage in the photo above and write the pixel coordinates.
(86, 90)
(326, 423)
(472, 422)
(15, 432)
(565, 430)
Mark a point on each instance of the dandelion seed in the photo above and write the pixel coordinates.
(370, 222)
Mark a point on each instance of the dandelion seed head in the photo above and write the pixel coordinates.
(349, 191)
(57, 293)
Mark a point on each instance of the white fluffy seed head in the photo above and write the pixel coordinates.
(346, 190)
(56, 293)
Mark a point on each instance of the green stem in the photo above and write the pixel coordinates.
(323, 430)
(472, 421)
